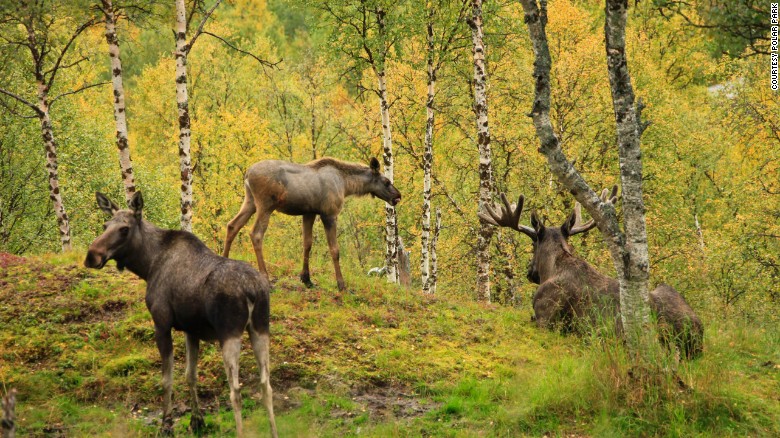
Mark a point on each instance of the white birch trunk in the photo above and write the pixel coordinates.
(391, 220)
(51, 166)
(433, 278)
(391, 224)
(182, 102)
(125, 163)
(634, 300)
(483, 145)
(425, 260)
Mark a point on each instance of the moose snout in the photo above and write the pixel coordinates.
(396, 199)
(95, 259)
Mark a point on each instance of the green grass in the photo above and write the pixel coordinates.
(375, 361)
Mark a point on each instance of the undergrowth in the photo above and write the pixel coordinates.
(374, 361)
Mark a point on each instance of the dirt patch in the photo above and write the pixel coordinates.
(392, 402)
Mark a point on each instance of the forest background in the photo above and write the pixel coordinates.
(711, 153)
(77, 344)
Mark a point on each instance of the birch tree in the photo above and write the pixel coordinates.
(110, 14)
(628, 249)
(483, 145)
(33, 28)
(183, 48)
(362, 30)
(438, 48)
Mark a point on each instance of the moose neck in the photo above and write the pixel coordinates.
(140, 256)
(355, 184)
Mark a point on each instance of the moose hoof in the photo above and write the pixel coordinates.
(167, 426)
(197, 424)
(307, 281)
(342, 287)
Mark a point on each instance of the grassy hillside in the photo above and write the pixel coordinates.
(378, 361)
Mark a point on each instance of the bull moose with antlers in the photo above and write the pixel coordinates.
(571, 291)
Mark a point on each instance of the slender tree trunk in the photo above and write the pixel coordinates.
(433, 278)
(52, 165)
(182, 102)
(391, 220)
(425, 260)
(125, 163)
(8, 423)
(483, 145)
(634, 305)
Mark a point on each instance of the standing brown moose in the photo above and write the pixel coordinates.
(572, 291)
(189, 288)
(315, 188)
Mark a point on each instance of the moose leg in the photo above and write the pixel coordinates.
(330, 231)
(196, 418)
(165, 345)
(231, 348)
(260, 343)
(308, 223)
(238, 222)
(258, 231)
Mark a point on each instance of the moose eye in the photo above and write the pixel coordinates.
(124, 230)
(387, 183)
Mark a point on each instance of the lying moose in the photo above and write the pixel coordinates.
(571, 291)
(189, 288)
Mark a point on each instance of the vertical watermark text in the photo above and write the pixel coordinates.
(773, 19)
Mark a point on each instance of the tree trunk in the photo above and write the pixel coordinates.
(125, 163)
(483, 145)
(182, 101)
(634, 305)
(391, 220)
(433, 278)
(629, 259)
(52, 165)
(8, 423)
(425, 260)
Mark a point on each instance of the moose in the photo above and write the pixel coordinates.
(315, 188)
(572, 292)
(191, 289)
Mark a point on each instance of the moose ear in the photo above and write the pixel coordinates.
(537, 223)
(374, 165)
(136, 204)
(569, 224)
(106, 204)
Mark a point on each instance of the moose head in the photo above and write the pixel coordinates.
(548, 242)
(120, 233)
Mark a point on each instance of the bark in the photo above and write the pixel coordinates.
(634, 304)
(182, 102)
(433, 278)
(483, 145)
(425, 259)
(391, 220)
(125, 163)
(51, 166)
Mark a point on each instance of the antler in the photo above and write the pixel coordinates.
(509, 217)
(578, 226)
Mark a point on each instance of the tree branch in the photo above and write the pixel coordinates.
(262, 62)
(202, 24)
(22, 100)
(79, 90)
(73, 37)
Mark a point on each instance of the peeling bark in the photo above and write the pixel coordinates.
(125, 163)
(8, 423)
(182, 102)
(483, 145)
